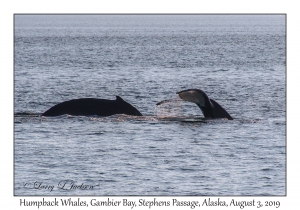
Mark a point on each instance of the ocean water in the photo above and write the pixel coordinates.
(238, 60)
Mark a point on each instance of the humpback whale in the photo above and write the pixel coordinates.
(93, 106)
(209, 107)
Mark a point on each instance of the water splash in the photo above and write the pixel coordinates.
(169, 108)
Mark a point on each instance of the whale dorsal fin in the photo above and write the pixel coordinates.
(118, 98)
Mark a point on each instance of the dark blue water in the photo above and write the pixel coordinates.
(238, 60)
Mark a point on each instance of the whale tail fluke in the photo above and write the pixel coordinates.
(220, 111)
(209, 107)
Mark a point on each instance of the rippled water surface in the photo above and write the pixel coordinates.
(237, 60)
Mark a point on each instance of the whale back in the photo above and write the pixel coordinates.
(92, 106)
